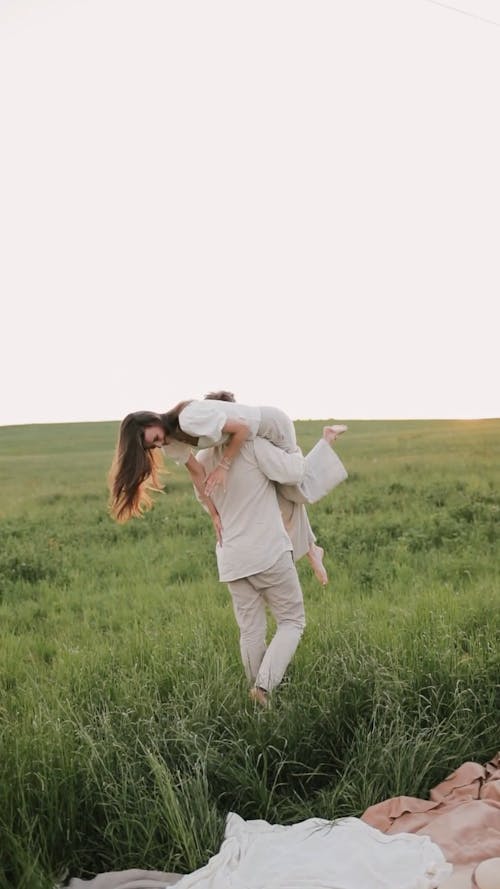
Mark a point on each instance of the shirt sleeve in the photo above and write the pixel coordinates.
(177, 451)
(203, 418)
(278, 465)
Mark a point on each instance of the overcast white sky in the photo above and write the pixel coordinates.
(298, 201)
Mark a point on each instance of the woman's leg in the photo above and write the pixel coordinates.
(278, 428)
(301, 534)
(323, 472)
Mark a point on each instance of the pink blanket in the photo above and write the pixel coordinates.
(462, 815)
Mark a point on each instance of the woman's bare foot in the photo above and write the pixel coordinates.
(331, 433)
(315, 556)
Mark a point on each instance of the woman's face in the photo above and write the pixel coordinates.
(155, 437)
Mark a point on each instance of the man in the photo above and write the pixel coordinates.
(255, 554)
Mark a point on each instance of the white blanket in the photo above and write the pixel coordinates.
(319, 854)
(313, 854)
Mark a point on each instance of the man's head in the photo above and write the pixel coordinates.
(223, 395)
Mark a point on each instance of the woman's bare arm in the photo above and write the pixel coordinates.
(197, 473)
(239, 432)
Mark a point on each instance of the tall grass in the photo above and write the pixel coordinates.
(126, 731)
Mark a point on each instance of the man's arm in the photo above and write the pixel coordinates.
(279, 465)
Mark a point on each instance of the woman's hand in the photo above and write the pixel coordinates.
(238, 432)
(218, 476)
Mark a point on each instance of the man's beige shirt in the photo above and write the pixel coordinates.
(253, 533)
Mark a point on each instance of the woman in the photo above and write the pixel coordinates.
(211, 423)
(216, 420)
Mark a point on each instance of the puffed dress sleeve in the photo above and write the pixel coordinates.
(203, 419)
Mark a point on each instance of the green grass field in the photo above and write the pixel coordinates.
(126, 732)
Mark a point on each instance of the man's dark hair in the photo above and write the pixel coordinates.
(223, 395)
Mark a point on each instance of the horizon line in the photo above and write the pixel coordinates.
(362, 419)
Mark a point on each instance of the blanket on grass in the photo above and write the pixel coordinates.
(458, 826)
(462, 817)
(313, 854)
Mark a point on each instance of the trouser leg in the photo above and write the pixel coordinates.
(277, 427)
(324, 470)
(280, 588)
(283, 594)
(298, 528)
(250, 613)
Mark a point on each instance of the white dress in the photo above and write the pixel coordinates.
(206, 419)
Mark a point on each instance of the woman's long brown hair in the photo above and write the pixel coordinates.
(135, 470)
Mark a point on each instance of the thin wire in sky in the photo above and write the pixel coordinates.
(472, 15)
